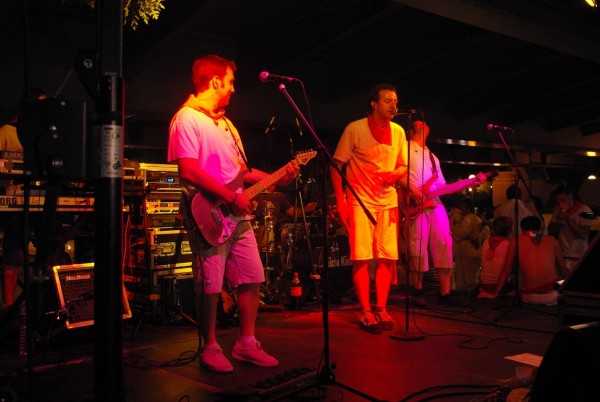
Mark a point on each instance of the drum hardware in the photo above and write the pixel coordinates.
(333, 220)
(269, 293)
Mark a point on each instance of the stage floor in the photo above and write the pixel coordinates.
(463, 355)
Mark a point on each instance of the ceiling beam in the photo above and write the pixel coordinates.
(512, 25)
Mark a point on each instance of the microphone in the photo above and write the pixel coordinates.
(409, 112)
(270, 126)
(299, 128)
(491, 127)
(265, 77)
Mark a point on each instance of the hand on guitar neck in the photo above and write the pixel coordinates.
(425, 198)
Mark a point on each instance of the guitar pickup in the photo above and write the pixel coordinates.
(216, 216)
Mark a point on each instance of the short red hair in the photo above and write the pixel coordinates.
(206, 67)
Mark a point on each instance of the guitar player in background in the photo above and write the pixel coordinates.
(208, 151)
(429, 228)
(12, 223)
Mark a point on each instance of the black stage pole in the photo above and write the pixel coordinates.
(109, 384)
(326, 375)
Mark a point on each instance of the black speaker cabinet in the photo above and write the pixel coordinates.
(570, 368)
(75, 289)
(177, 296)
(53, 133)
(580, 293)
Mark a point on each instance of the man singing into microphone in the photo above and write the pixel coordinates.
(373, 151)
(208, 151)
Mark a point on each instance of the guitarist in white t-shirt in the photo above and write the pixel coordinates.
(428, 225)
(212, 169)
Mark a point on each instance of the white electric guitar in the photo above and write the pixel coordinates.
(429, 196)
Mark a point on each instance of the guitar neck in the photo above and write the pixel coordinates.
(262, 185)
(451, 188)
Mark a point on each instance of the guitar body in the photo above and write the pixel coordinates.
(429, 196)
(213, 217)
(414, 211)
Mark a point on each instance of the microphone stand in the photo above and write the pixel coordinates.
(407, 334)
(313, 276)
(326, 375)
(515, 265)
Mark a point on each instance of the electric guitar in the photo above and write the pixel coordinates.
(429, 196)
(214, 218)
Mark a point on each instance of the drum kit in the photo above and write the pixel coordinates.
(285, 247)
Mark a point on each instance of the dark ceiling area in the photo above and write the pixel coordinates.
(521, 72)
(534, 65)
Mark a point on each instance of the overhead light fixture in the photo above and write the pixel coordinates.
(592, 3)
(592, 177)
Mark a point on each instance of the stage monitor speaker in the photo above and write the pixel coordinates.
(570, 368)
(579, 301)
(75, 288)
(177, 295)
(53, 133)
(585, 276)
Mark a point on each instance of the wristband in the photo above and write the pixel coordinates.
(234, 198)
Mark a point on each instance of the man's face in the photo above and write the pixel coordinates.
(420, 129)
(225, 88)
(385, 107)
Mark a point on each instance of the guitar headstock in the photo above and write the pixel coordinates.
(303, 157)
(483, 176)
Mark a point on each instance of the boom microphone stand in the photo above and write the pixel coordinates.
(326, 375)
(407, 334)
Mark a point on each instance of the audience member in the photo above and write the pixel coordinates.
(493, 256)
(570, 224)
(466, 235)
(541, 264)
(513, 194)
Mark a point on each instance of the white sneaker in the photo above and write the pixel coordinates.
(213, 359)
(253, 354)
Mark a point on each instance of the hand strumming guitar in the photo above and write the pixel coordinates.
(240, 205)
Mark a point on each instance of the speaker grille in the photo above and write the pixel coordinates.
(75, 288)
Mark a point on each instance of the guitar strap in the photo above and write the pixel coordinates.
(220, 114)
(433, 165)
(242, 154)
(435, 172)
